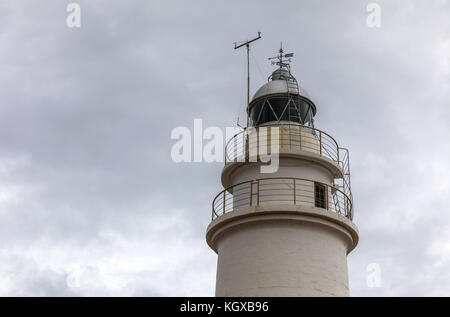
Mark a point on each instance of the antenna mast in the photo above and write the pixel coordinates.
(247, 44)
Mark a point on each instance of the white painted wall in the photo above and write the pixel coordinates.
(282, 258)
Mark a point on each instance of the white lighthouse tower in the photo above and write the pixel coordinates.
(286, 233)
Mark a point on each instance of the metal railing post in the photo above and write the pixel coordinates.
(294, 193)
(320, 137)
(251, 193)
(235, 149)
(345, 206)
(224, 196)
(257, 193)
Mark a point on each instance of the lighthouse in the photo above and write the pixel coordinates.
(288, 232)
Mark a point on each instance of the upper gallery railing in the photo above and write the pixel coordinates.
(292, 138)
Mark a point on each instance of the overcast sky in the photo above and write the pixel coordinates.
(90, 200)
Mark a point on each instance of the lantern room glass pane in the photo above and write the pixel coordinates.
(276, 109)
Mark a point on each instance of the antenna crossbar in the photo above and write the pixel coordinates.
(247, 44)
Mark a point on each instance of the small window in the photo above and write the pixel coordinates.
(320, 196)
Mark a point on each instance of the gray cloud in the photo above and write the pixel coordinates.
(90, 201)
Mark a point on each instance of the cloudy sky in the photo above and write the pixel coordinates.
(91, 202)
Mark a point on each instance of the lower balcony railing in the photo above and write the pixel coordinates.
(267, 192)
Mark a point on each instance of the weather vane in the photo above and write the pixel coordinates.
(283, 59)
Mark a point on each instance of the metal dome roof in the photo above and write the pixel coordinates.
(281, 82)
(279, 87)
